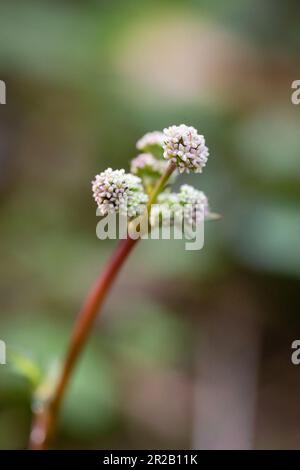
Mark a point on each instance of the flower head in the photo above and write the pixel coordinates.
(185, 147)
(189, 195)
(195, 203)
(151, 142)
(146, 164)
(190, 202)
(117, 191)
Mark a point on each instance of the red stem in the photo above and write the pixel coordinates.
(44, 422)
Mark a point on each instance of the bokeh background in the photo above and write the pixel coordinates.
(193, 348)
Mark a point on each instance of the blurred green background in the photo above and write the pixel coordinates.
(193, 348)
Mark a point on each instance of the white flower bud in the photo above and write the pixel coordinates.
(151, 142)
(189, 201)
(195, 203)
(117, 191)
(146, 164)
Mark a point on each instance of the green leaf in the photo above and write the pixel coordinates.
(26, 367)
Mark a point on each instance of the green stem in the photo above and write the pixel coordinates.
(160, 185)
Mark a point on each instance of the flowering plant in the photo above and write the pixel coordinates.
(176, 150)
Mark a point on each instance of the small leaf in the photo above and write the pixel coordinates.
(213, 216)
(25, 367)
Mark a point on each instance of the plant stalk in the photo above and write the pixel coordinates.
(44, 420)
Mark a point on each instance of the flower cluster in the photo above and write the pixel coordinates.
(190, 202)
(185, 147)
(150, 140)
(146, 164)
(127, 193)
(195, 204)
(117, 191)
(189, 195)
